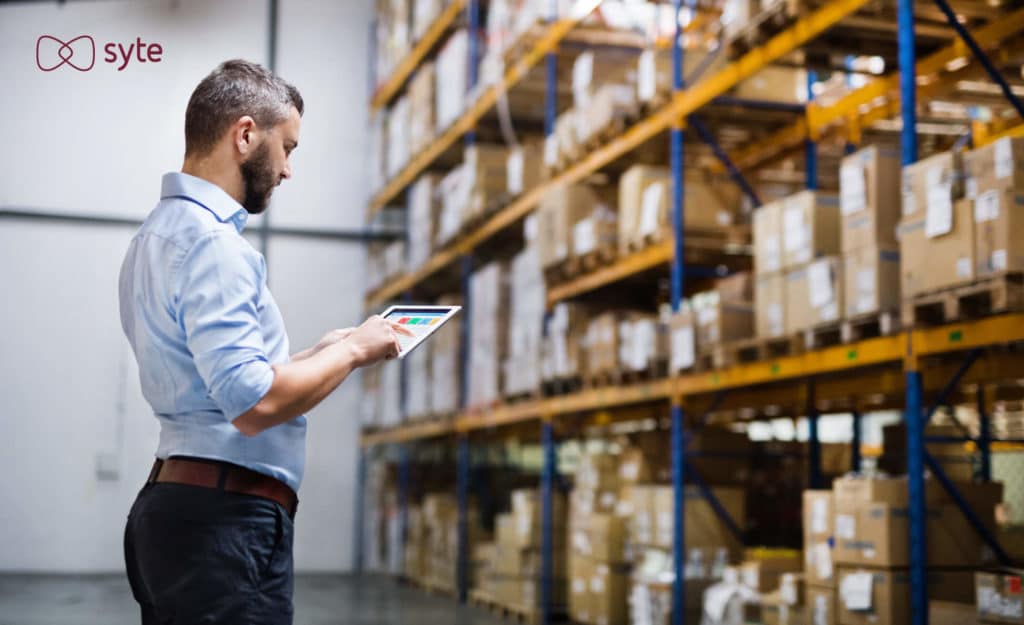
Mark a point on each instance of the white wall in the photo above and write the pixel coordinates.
(98, 142)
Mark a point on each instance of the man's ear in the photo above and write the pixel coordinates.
(244, 135)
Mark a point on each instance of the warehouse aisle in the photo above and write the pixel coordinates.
(319, 600)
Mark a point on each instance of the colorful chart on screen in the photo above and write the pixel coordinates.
(422, 321)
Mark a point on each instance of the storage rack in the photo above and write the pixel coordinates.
(902, 370)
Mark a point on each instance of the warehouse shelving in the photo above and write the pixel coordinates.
(901, 370)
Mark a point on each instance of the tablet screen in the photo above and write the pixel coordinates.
(421, 321)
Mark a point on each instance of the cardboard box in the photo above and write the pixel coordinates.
(599, 67)
(523, 168)
(996, 166)
(814, 294)
(608, 538)
(932, 263)
(775, 83)
(719, 321)
(488, 320)
(869, 198)
(609, 104)
(703, 527)
(445, 372)
(424, 212)
(560, 209)
(767, 228)
(952, 457)
(423, 123)
(810, 227)
(738, 287)
(822, 608)
(775, 612)
(999, 597)
(882, 596)
(872, 281)
(770, 305)
(819, 516)
(999, 231)
(951, 613)
(645, 203)
(609, 590)
(452, 71)
(682, 337)
(931, 186)
(763, 568)
(581, 570)
(562, 351)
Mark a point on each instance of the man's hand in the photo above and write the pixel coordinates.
(375, 340)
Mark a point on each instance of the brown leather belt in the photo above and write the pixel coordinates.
(224, 476)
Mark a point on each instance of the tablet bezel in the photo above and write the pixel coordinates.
(412, 309)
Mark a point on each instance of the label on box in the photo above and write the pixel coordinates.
(650, 204)
(986, 206)
(971, 188)
(821, 610)
(992, 603)
(751, 577)
(823, 561)
(852, 192)
(909, 204)
(683, 355)
(514, 170)
(646, 81)
(865, 291)
(855, 591)
(787, 592)
(582, 75)
(1004, 158)
(551, 150)
(772, 257)
(583, 238)
(846, 526)
(939, 218)
(794, 233)
(963, 267)
(774, 314)
(597, 584)
(997, 262)
(706, 314)
(819, 283)
(579, 586)
(819, 516)
(933, 177)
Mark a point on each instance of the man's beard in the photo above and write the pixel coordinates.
(258, 181)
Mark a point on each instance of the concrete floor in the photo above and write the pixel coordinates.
(319, 600)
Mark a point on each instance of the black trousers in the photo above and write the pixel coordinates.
(199, 556)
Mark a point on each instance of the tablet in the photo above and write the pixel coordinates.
(422, 321)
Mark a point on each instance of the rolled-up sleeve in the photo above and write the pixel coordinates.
(219, 287)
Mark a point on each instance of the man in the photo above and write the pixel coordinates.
(209, 538)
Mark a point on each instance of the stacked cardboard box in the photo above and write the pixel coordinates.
(682, 339)
(598, 558)
(643, 343)
(471, 188)
(488, 321)
(558, 214)
(601, 344)
(562, 352)
(418, 377)
(526, 323)
(452, 73)
(645, 200)
(424, 12)
(787, 605)
(654, 72)
(393, 38)
(819, 564)
(422, 122)
(957, 464)
(445, 363)
(515, 568)
(871, 549)
(936, 232)
(1000, 598)
(524, 168)
(398, 136)
(869, 201)
(604, 89)
(424, 210)
(995, 182)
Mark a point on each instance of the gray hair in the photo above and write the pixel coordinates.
(236, 88)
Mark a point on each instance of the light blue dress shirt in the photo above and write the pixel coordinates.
(205, 330)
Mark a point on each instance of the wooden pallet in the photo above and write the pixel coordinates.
(765, 25)
(983, 297)
(869, 325)
(822, 335)
(575, 266)
(517, 613)
(598, 379)
(752, 350)
(561, 386)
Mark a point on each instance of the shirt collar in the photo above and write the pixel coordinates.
(206, 194)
